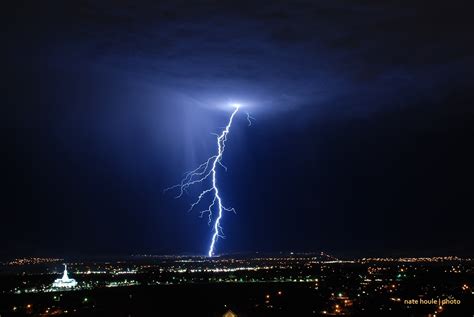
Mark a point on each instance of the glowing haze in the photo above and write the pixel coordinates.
(204, 172)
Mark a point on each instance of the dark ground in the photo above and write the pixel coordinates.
(205, 300)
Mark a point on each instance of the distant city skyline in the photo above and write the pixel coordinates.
(248, 285)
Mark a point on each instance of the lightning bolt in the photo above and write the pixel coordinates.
(249, 118)
(205, 171)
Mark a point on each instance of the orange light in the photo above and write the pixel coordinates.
(279, 292)
(268, 296)
(28, 306)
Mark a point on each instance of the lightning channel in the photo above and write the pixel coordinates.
(249, 118)
(205, 171)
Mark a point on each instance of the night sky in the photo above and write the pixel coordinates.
(362, 144)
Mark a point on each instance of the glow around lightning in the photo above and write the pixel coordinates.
(204, 172)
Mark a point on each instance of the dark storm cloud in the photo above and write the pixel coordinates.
(271, 53)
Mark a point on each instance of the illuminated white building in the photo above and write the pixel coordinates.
(65, 281)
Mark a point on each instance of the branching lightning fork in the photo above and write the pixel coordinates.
(203, 172)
